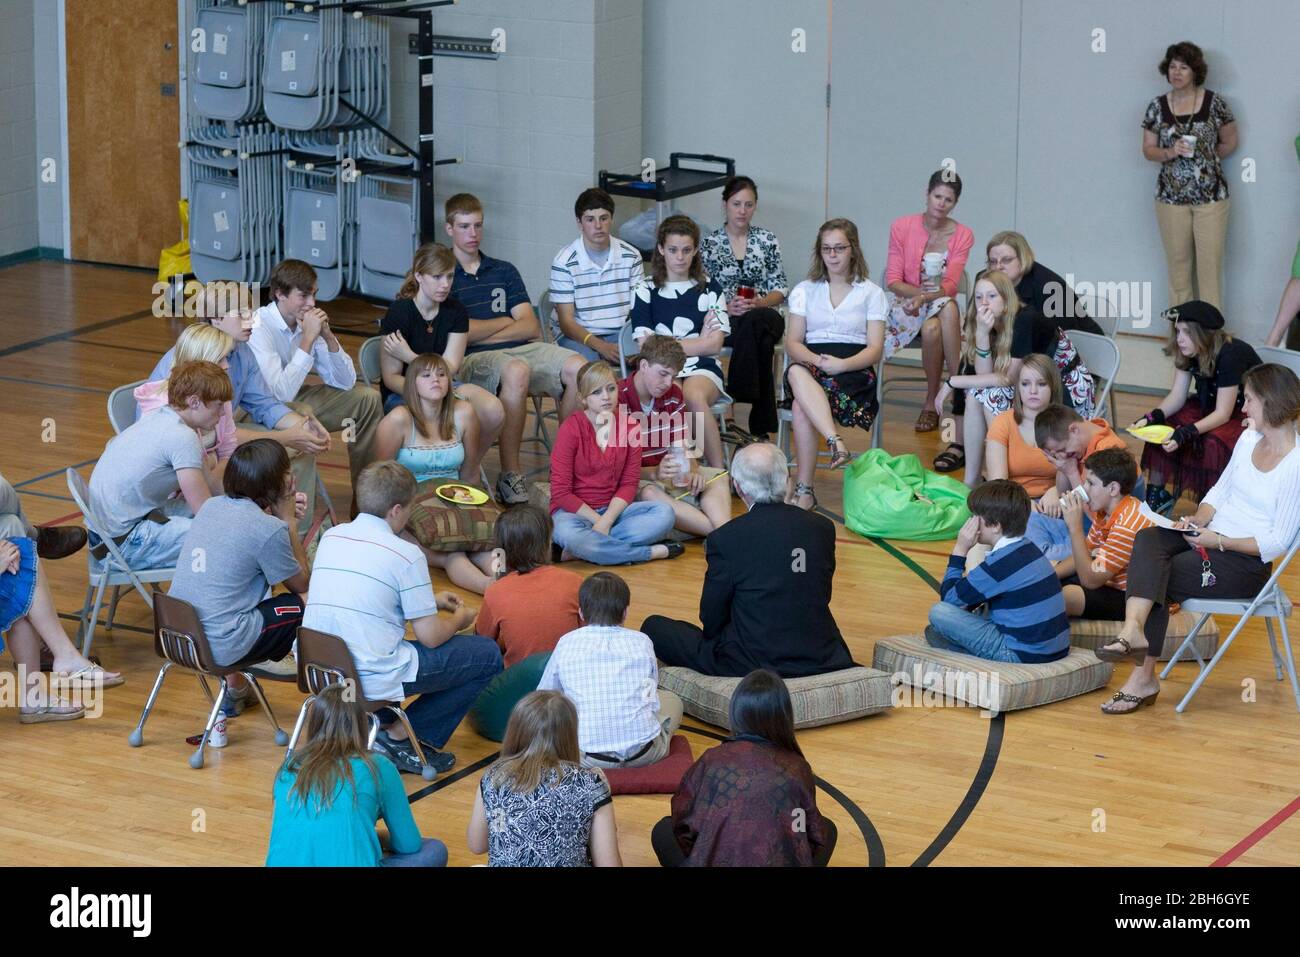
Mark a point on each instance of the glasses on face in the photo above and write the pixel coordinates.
(835, 250)
(1004, 261)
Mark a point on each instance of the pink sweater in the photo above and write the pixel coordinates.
(152, 396)
(582, 474)
(907, 239)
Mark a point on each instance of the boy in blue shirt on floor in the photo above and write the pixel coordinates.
(1025, 619)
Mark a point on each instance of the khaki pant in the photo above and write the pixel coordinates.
(670, 717)
(335, 407)
(1193, 238)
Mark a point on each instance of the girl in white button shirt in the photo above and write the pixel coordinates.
(835, 336)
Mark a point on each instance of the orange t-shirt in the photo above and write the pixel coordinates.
(529, 613)
(1111, 540)
(1105, 438)
(1026, 464)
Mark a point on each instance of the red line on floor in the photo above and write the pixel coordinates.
(1257, 835)
(59, 520)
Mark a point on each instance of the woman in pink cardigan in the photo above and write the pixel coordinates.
(922, 300)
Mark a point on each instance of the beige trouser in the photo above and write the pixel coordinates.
(670, 718)
(1193, 238)
(335, 407)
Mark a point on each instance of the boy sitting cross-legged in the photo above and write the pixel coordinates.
(1095, 575)
(1025, 619)
(610, 674)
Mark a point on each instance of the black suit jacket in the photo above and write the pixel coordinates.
(767, 593)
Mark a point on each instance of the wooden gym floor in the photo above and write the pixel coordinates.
(1056, 785)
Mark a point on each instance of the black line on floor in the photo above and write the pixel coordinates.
(987, 766)
(28, 491)
(464, 772)
(100, 624)
(59, 471)
(114, 345)
(80, 330)
(875, 847)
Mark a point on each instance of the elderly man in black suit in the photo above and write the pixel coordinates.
(767, 592)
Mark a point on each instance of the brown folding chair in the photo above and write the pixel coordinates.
(178, 639)
(324, 660)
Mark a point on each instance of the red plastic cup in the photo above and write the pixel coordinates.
(745, 292)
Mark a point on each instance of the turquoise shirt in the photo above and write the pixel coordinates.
(344, 834)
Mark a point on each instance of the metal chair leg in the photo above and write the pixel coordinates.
(374, 731)
(207, 690)
(1200, 678)
(196, 759)
(1187, 644)
(136, 738)
(1290, 661)
(94, 618)
(281, 738)
(112, 607)
(1272, 645)
(85, 611)
(426, 769)
(297, 726)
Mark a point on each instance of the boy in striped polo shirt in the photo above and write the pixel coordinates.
(593, 280)
(1095, 576)
(1025, 619)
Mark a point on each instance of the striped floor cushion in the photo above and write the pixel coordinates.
(1093, 634)
(820, 699)
(996, 686)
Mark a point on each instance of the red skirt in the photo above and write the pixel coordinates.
(1194, 467)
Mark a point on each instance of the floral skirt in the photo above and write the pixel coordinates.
(18, 591)
(1194, 467)
(901, 329)
(852, 395)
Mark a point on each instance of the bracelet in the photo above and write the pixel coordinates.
(983, 353)
(1220, 534)
(585, 338)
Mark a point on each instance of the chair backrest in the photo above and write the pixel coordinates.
(963, 291)
(324, 660)
(1101, 355)
(1101, 310)
(544, 309)
(178, 635)
(122, 407)
(1283, 357)
(368, 360)
(626, 345)
(80, 492)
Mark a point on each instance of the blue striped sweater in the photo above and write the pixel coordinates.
(1024, 598)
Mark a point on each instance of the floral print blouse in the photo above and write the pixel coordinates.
(1190, 180)
(761, 268)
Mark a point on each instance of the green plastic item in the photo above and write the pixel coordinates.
(491, 710)
(892, 496)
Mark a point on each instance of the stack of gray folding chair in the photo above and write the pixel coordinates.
(225, 54)
(388, 229)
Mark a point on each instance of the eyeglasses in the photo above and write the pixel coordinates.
(835, 250)
(1004, 261)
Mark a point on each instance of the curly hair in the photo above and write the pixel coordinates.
(1187, 52)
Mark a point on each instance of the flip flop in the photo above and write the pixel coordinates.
(1125, 655)
(86, 676)
(1135, 700)
(927, 421)
(52, 712)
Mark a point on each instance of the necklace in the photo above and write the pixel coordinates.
(1179, 125)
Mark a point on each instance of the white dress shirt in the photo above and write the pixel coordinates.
(284, 366)
(865, 302)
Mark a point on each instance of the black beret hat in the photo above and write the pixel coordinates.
(1202, 313)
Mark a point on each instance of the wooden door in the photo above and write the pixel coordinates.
(123, 127)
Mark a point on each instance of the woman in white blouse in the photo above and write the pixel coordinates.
(1227, 549)
(834, 338)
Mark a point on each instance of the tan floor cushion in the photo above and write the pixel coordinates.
(996, 686)
(820, 699)
(1093, 634)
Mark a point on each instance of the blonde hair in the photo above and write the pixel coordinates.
(857, 262)
(203, 343)
(541, 737)
(1018, 243)
(446, 414)
(1207, 343)
(1045, 366)
(594, 375)
(1000, 334)
(431, 259)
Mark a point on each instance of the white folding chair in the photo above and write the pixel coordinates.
(122, 406)
(1101, 310)
(1271, 603)
(785, 416)
(113, 570)
(1101, 355)
(1283, 357)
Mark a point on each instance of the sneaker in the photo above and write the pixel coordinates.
(286, 669)
(512, 489)
(403, 755)
(234, 702)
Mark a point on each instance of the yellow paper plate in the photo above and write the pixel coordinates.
(1155, 434)
(472, 496)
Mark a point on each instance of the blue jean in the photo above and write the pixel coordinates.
(432, 853)
(586, 352)
(956, 629)
(153, 545)
(450, 678)
(637, 527)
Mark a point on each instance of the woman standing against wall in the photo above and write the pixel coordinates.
(1188, 131)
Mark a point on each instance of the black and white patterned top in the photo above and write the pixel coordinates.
(1190, 180)
(551, 827)
(761, 268)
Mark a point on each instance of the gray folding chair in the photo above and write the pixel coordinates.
(387, 233)
(114, 570)
(910, 356)
(313, 228)
(122, 408)
(225, 77)
(368, 360)
(1101, 310)
(1283, 357)
(1101, 355)
(1271, 603)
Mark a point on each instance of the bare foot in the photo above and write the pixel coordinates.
(1137, 686)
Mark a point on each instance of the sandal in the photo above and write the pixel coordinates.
(800, 490)
(840, 454)
(927, 421)
(55, 710)
(1135, 700)
(949, 460)
(88, 676)
(1128, 652)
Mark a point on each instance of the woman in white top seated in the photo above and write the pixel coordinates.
(835, 336)
(1227, 549)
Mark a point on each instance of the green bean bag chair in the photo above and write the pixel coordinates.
(892, 496)
(490, 712)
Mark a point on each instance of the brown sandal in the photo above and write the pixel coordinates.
(1136, 701)
(927, 421)
(1125, 655)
